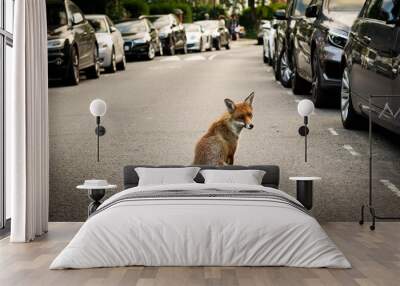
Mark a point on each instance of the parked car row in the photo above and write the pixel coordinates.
(86, 43)
(345, 50)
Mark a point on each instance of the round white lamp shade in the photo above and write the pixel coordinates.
(98, 107)
(305, 107)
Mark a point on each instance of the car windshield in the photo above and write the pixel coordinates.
(56, 15)
(162, 22)
(345, 5)
(209, 25)
(192, 28)
(99, 25)
(131, 27)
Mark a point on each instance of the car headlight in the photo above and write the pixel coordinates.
(337, 39)
(56, 43)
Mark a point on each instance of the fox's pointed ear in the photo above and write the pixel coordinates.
(249, 99)
(230, 105)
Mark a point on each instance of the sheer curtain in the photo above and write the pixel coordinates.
(27, 143)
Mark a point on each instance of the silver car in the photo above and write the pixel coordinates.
(111, 44)
(269, 41)
(197, 39)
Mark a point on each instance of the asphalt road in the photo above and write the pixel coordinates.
(158, 109)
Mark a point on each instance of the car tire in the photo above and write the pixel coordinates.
(260, 41)
(350, 118)
(218, 44)
(317, 92)
(228, 45)
(72, 75)
(299, 85)
(122, 64)
(113, 66)
(151, 53)
(284, 69)
(93, 72)
(265, 59)
(171, 47)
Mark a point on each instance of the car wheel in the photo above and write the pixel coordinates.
(218, 44)
(316, 88)
(285, 71)
(72, 76)
(113, 66)
(350, 118)
(260, 41)
(228, 45)
(122, 64)
(93, 72)
(299, 85)
(151, 53)
(265, 59)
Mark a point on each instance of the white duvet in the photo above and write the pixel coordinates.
(200, 231)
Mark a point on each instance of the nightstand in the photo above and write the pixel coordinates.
(304, 190)
(96, 190)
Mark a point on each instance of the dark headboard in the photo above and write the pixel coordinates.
(271, 177)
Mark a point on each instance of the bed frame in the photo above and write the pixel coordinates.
(271, 177)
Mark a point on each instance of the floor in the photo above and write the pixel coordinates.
(375, 257)
(157, 110)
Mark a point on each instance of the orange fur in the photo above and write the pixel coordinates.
(218, 146)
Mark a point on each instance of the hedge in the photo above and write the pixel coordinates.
(135, 8)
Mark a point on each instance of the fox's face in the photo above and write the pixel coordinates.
(241, 113)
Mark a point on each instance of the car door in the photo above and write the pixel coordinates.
(372, 73)
(116, 38)
(303, 32)
(82, 35)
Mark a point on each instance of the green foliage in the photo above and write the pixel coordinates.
(250, 21)
(200, 11)
(166, 7)
(115, 10)
(135, 8)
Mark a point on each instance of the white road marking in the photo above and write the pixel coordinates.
(351, 150)
(392, 187)
(170, 59)
(333, 131)
(210, 58)
(195, 58)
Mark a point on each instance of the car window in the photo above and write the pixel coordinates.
(110, 23)
(56, 15)
(99, 25)
(300, 7)
(384, 10)
(132, 27)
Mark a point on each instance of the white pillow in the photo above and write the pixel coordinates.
(163, 176)
(248, 177)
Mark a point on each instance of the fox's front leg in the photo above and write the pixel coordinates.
(230, 160)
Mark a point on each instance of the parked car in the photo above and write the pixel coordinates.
(294, 12)
(260, 31)
(197, 38)
(111, 44)
(268, 42)
(220, 34)
(171, 31)
(318, 44)
(140, 39)
(72, 44)
(371, 66)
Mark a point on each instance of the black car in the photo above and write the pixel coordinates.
(318, 44)
(219, 33)
(72, 44)
(295, 11)
(140, 39)
(371, 67)
(171, 32)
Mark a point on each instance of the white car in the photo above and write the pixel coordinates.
(269, 42)
(197, 39)
(111, 44)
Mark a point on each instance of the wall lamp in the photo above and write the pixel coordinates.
(305, 108)
(98, 109)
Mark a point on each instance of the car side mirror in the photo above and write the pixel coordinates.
(113, 29)
(280, 14)
(312, 11)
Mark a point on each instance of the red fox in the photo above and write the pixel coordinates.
(218, 146)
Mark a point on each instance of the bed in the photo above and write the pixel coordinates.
(198, 224)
